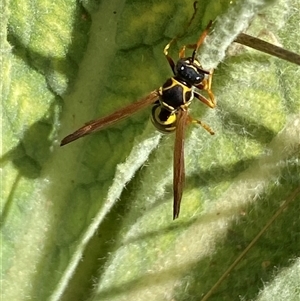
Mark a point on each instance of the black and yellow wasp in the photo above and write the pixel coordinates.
(170, 108)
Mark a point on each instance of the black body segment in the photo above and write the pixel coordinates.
(174, 94)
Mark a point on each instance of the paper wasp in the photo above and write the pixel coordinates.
(170, 105)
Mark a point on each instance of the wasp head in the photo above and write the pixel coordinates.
(189, 70)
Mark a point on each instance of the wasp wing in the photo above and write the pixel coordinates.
(99, 124)
(178, 178)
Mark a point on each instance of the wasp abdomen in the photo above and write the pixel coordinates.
(163, 119)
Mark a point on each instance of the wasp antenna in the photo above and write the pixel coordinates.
(185, 29)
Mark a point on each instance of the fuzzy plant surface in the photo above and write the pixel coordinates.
(93, 220)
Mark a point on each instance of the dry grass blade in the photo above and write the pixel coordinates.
(268, 48)
(253, 242)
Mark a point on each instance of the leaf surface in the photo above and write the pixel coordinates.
(93, 220)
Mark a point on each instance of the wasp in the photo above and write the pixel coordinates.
(170, 104)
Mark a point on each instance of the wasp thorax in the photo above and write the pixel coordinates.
(189, 71)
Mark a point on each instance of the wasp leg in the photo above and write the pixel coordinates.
(182, 50)
(202, 38)
(204, 125)
(206, 86)
(211, 102)
(166, 53)
(196, 46)
(170, 60)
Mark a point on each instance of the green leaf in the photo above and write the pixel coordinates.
(93, 220)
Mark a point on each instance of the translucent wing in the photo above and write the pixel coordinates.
(99, 124)
(178, 178)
